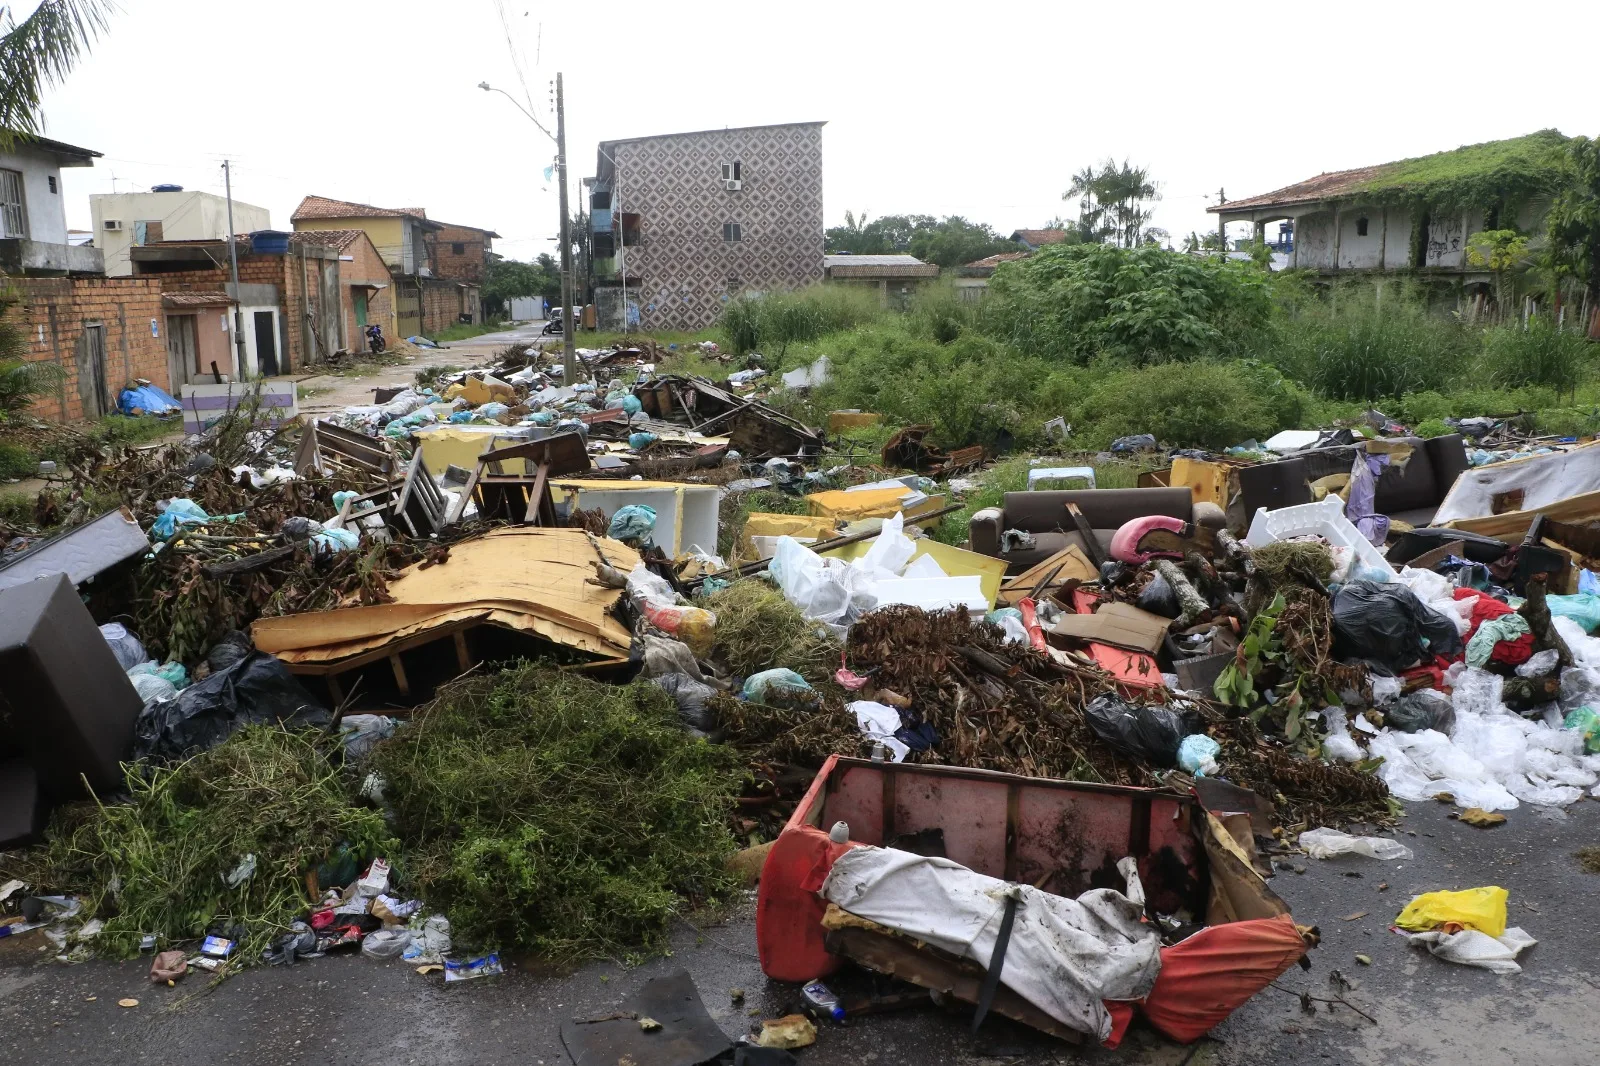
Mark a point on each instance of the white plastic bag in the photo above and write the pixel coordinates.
(1339, 744)
(1327, 843)
(1471, 947)
(808, 582)
(880, 722)
(386, 943)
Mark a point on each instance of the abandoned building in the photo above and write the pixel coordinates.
(895, 277)
(1411, 215)
(683, 222)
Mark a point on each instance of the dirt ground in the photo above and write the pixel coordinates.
(350, 1010)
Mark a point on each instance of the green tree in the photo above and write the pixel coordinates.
(1500, 250)
(955, 241)
(1114, 203)
(510, 279)
(1574, 220)
(39, 52)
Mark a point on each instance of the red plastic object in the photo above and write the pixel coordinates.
(788, 910)
(1210, 975)
(1132, 669)
(1030, 622)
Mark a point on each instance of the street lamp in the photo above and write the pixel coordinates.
(569, 357)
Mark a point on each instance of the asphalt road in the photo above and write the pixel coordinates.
(351, 1010)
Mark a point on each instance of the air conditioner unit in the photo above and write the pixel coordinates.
(732, 184)
(113, 223)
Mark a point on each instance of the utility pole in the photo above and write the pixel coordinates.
(1222, 227)
(233, 262)
(569, 324)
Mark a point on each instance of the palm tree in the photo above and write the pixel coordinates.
(39, 52)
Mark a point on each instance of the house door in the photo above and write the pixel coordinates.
(266, 345)
(180, 350)
(91, 358)
(359, 298)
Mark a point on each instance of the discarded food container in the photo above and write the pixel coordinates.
(216, 947)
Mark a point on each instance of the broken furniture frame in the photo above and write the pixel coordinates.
(417, 506)
(522, 498)
(326, 448)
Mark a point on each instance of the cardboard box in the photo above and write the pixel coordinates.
(1118, 624)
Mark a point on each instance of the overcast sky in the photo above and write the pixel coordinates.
(977, 109)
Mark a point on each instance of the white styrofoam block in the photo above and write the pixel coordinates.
(933, 593)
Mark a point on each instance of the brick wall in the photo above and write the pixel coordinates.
(366, 265)
(443, 301)
(58, 312)
(466, 265)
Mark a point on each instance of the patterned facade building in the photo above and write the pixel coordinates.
(684, 222)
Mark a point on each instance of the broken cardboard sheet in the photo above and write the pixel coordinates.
(683, 1033)
(530, 579)
(1065, 956)
(1118, 624)
(1521, 484)
(1073, 565)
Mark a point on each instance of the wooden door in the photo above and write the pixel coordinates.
(91, 359)
(181, 351)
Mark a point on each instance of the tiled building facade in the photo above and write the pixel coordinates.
(703, 217)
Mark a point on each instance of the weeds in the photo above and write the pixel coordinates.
(1539, 354)
(464, 331)
(772, 322)
(758, 629)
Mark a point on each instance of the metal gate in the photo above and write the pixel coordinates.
(408, 309)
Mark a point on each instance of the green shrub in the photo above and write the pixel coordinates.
(1363, 350)
(1434, 427)
(770, 323)
(1145, 305)
(16, 461)
(939, 313)
(1567, 421)
(1540, 354)
(1210, 404)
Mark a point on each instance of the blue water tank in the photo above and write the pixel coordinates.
(269, 242)
(166, 188)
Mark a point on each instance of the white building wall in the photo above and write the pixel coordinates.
(1397, 245)
(1359, 251)
(190, 215)
(47, 214)
(1313, 242)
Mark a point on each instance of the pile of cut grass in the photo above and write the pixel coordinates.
(758, 629)
(157, 862)
(546, 812)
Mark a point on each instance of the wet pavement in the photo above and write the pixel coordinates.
(350, 1010)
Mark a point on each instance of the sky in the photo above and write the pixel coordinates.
(983, 110)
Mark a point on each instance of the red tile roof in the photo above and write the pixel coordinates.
(1329, 186)
(196, 299)
(995, 260)
(1036, 237)
(322, 207)
(331, 238)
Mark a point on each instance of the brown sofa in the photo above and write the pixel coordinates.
(1044, 514)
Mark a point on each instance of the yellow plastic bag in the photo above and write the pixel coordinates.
(1483, 909)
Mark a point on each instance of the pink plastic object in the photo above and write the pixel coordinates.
(1125, 541)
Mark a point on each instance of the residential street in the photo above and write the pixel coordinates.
(352, 1010)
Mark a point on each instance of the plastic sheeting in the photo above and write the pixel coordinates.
(1065, 956)
(1212, 973)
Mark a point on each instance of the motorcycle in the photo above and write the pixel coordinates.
(553, 326)
(375, 342)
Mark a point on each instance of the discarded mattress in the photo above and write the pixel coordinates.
(1065, 956)
(82, 553)
(1521, 484)
(526, 579)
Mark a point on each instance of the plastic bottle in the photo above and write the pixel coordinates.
(822, 998)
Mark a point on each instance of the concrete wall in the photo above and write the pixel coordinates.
(1387, 242)
(47, 213)
(388, 235)
(190, 215)
(55, 312)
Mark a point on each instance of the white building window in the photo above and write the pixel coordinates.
(13, 208)
(731, 232)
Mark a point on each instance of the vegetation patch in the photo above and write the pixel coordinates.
(758, 629)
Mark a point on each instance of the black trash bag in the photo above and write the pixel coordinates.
(1384, 624)
(1424, 709)
(1158, 597)
(255, 690)
(1149, 734)
(691, 696)
(233, 646)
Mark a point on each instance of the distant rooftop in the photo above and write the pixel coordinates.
(878, 266)
(319, 207)
(1038, 237)
(67, 155)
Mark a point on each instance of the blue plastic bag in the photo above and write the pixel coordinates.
(779, 688)
(639, 441)
(334, 541)
(179, 512)
(634, 524)
(1197, 754)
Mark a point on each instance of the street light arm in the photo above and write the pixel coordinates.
(486, 87)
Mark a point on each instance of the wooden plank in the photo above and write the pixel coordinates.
(1091, 545)
(400, 674)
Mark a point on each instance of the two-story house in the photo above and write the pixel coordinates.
(33, 213)
(127, 220)
(683, 222)
(461, 252)
(426, 300)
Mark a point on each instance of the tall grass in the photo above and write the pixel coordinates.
(1539, 354)
(771, 322)
(939, 313)
(1361, 349)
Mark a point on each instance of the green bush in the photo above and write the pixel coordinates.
(1211, 404)
(1434, 427)
(1362, 350)
(1541, 354)
(1144, 305)
(16, 462)
(770, 323)
(939, 313)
